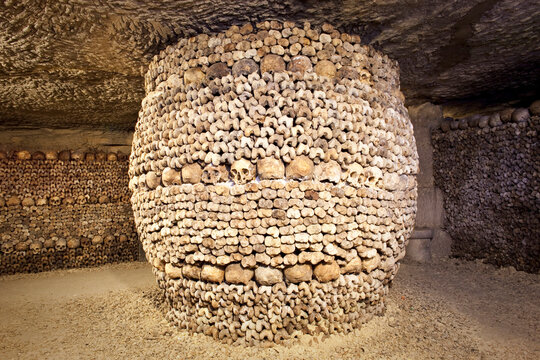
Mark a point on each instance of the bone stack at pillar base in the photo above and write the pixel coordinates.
(64, 210)
(273, 172)
(487, 166)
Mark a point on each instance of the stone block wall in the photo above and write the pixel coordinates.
(64, 210)
(488, 168)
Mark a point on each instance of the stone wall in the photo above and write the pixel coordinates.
(428, 238)
(274, 180)
(488, 169)
(64, 209)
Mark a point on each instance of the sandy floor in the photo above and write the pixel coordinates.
(447, 310)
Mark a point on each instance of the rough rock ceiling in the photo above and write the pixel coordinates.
(80, 63)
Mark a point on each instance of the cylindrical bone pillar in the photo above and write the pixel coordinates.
(273, 177)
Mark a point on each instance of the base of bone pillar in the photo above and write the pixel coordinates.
(252, 314)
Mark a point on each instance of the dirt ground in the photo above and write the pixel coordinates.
(446, 310)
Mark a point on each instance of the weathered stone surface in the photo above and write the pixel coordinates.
(62, 70)
(236, 274)
(268, 276)
(298, 273)
(327, 272)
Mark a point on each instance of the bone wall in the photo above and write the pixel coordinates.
(487, 167)
(273, 175)
(63, 210)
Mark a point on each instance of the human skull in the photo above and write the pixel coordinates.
(365, 75)
(28, 201)
(64, 155)
(152, 180)
(77, 155)
(242, 171)
(48, 243)
(170, 177)
(73, 243)
(13, 201)
(347, 72)
(23, 155)
(215, 174)
(193, 75)
(244, 67)
(270, 169)
(521, 115)
(328, 171)
(112, 157)
(41, 201)
(35, 247)
(300, 168)
(69, 200)
(103, 199)
(300, 64)
(21, 246)
(326, 68)
(38, 155)
(60, 245)
(191, 174)
(55, 201)
(272, 64)
(355, 175)
(495, 120)
(7, 247)
(101, 156)
(217, 71)
(373, 175)
(82, 199)
(121, 156)
(97, 240)
(390, 181)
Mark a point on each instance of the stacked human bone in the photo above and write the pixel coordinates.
(273, 176)
(64, 210)
(487, 167)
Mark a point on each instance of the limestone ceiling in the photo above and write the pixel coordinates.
(80, 63)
